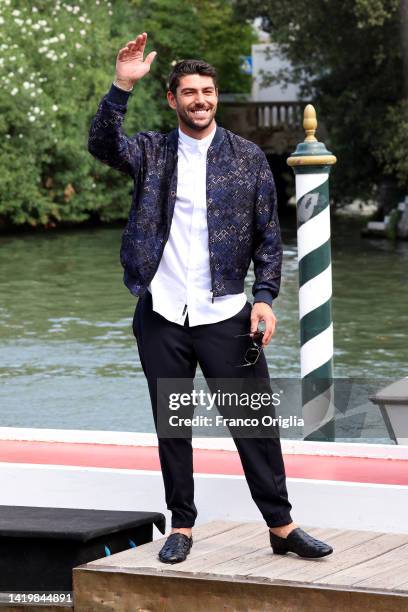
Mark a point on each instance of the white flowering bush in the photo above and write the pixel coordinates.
(57, 60)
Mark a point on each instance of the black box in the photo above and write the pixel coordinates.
(39, 547)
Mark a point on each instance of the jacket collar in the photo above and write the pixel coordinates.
(173, 138)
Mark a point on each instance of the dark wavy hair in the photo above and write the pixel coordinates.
(190, 66)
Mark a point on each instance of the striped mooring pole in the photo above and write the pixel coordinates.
(311, 163)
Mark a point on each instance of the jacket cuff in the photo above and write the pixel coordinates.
(263, 295)
(118, 96)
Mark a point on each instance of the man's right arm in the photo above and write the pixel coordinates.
(107, 141)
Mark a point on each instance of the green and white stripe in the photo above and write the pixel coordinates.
(315, 292)
(311, 163)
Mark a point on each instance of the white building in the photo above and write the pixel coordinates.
(267, 59)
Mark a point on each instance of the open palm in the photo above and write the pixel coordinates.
(130, 64)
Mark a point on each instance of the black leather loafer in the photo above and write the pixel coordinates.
(301, 543)
(176, 548)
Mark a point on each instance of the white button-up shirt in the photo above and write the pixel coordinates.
(182, 283)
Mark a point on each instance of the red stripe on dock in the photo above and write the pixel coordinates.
(349, 469)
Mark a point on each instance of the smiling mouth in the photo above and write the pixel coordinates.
(200, 112)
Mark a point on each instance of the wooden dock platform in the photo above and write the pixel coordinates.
(231, 568)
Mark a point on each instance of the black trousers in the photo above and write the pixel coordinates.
(169, 350)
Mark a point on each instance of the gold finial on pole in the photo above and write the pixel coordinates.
(310, 152)
(310, 123)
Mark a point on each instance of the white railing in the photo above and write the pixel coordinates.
(267, 115)
(279, 114)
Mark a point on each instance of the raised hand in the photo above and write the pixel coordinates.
(130, 65)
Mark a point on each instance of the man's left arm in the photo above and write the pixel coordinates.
(267, 252)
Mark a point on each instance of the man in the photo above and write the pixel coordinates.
(204, 204)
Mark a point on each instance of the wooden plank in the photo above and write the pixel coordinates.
(210, 541)
(202, 563)
(146, 551)
(306, 570)
(118, 591)
(261, 554)
(391, 579)
(241, 553)
(343, 543)
(403, 585)
(200, 548)
(223, 548)
(359, 555)
(374, 570)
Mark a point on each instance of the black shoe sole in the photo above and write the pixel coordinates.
(284, 551)
(173, 562)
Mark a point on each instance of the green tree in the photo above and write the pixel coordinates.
(57, 60)
(347, 57)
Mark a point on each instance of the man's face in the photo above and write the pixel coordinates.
(195, 102)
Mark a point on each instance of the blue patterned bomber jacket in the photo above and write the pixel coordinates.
(241, 203)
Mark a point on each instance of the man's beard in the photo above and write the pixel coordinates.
(190, 122)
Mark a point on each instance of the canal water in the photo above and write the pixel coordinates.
(68, 358)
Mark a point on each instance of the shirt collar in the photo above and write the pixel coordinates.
(195, 143)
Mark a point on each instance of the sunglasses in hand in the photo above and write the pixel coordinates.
(253, 352)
